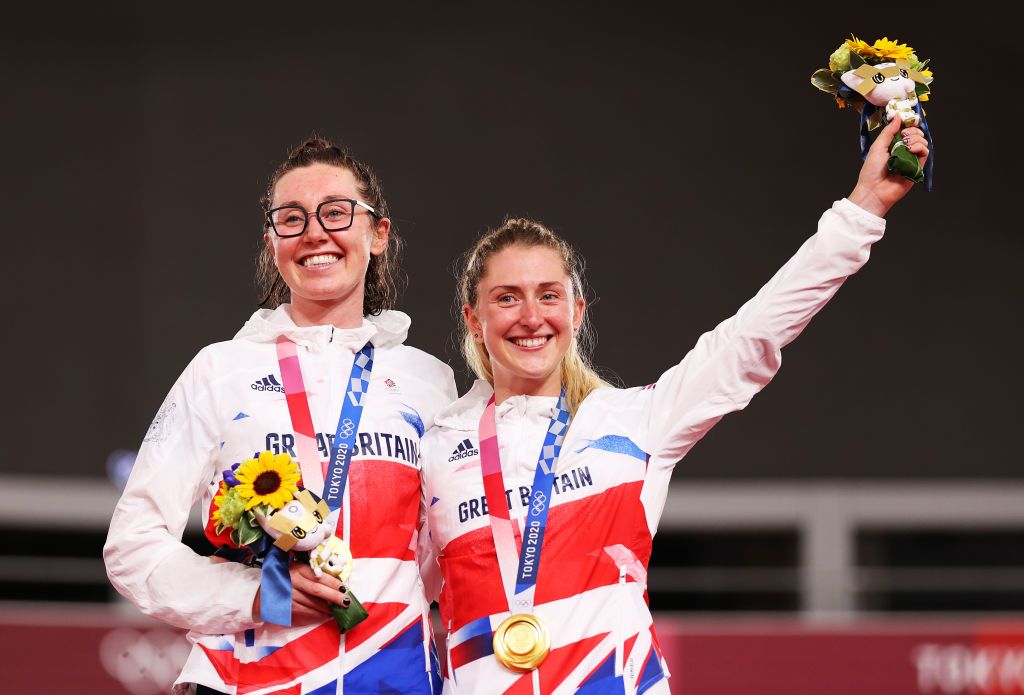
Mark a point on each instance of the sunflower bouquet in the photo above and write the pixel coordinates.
(263, 516)
(257, 485)
(882, 81)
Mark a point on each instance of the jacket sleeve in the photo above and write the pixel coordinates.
(731, 363)
(426, 553)
(426, 556)
(145, 558)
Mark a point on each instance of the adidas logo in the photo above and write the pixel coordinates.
(464, 450)
(267, 383)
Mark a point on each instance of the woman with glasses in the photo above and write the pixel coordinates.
(547, 484)
(325, 371)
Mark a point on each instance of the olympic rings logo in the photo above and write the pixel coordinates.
(539, 503)
(145, 663)
(347, 428)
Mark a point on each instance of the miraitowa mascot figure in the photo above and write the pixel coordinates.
(299, 527)
(884, 80)
(262, 516)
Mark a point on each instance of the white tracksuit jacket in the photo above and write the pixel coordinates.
(226, 406)
(610, 486)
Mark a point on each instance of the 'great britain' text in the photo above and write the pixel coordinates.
(377, 444)
(571, 480)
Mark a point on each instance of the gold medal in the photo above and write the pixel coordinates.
(521, 642)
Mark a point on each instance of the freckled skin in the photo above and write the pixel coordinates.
(525, 293)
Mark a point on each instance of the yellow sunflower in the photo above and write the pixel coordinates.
(218, 502)
(883, 48)
(894, 50)
(928, 77)
(861, 48)
(270, 479)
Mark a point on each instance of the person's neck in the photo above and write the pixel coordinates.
(507, 387)
(344, 314)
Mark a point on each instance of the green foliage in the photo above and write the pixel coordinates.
(825, 81)
(231, 507)
(248, 530)
(839, 61)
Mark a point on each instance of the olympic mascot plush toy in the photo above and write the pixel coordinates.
(884, 80)
(262, 511)
(298, 525)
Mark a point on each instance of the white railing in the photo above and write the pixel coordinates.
(825, 515)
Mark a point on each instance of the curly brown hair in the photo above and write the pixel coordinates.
(383, 275)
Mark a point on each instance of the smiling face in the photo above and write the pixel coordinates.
(325, 271)
(526, 315)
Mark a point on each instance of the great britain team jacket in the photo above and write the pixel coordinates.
(610, 486)
(228, 405)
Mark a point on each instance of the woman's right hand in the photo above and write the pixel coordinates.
(311, 596)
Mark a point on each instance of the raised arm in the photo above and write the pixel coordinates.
(730, 364)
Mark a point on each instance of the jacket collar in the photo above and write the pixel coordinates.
(389, 328)
(464, 414)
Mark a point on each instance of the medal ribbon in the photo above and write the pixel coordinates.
(344, 440)
(521, 587)
(275, 582)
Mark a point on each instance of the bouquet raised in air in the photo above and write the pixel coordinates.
(882, 81)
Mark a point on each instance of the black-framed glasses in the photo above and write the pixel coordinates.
(333, 215)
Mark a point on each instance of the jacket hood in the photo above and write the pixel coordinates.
(264, 326)
(464, 414)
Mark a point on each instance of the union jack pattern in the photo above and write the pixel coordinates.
(224, 421)
(611, 482)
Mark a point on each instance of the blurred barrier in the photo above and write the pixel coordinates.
(831, 519)
(852, 546)
(114, 651)
(87, 650)
(863, 657)
(834, 552)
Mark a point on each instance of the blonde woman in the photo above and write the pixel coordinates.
(546, 485)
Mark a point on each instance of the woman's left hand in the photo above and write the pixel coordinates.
(877, 188)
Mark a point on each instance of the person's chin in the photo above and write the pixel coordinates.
(535, 372)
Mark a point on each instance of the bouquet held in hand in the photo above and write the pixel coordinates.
(263, 511)
(883, 81)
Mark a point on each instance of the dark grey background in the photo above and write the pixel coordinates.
(684, 151)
